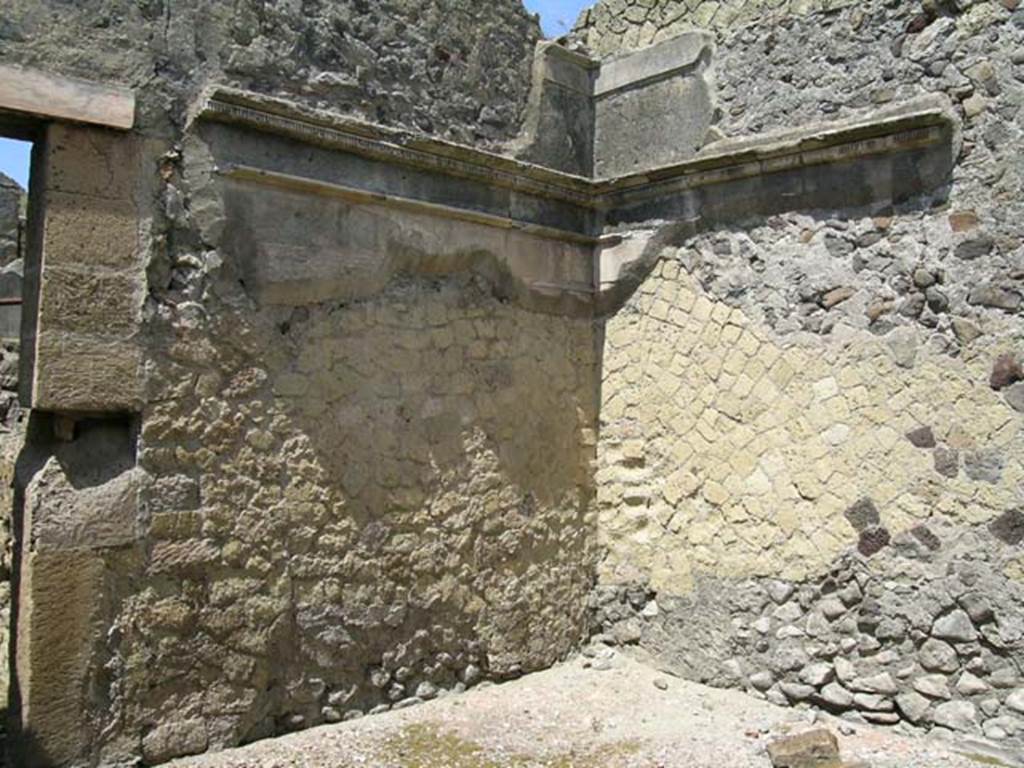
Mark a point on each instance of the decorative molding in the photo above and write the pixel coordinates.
(394, 147)
(908, 127)
(917, 124)
(360, 196)
(726, 167)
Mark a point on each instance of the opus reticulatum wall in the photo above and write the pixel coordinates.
(810, 464)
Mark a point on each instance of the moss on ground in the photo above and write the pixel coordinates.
(426, 746)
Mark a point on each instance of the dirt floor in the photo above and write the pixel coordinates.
(575, 716)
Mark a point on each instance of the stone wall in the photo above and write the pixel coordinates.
(351, 507)
(458, 69)
(810, 463)
(11, 195)
(11, 415)
(612, 26)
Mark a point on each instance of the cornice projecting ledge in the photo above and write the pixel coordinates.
(404, 202)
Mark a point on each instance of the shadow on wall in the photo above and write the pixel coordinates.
(394, 494)
(473, 455)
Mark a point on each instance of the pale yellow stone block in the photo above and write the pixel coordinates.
(721, 313)
(734, 363)
(749, 344)
(679, 317)
(685, 299)
(702, 309)
(825, 388)
(710, 335)
(758, 483)
(781, 374)
(1014, 570)
(769, 354)
(743, 463)
(807, 484)
(681, 451)
(715, 493)
(731, 334)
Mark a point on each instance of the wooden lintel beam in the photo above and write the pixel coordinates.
(53, 97)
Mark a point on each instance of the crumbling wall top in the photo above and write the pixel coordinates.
(454, 68)
(611, 26)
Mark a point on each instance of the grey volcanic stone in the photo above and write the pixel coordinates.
(872, 702)
(1005, 371)
(863, 515)
(969, 685)
(796, 691)
(955, 626)
(984, 464)
(1009, 527)
(924, 535)
(935, 686)
(937, 655)
(978, 606)
(873, 540)
(880, 683)
(975, 247)
(995, 296)
(881, 718)
(923, 278)
(1015, 700)
(1005, 677)
(922, 437)
(789, 658)
(788, 613)
(835, 695)
(426, 690)
(913, 705)
(964, 330)
(817, 674)
(957, 715)
(762, 680)
(851, 594)
(780, 591)
(832, 608)
(845, 670)
(470, 674)
(627, 632)
(1014, 395)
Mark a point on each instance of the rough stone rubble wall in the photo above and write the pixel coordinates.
(614, 26)
(352, 507)
(11, 426)
(811, 465)
(10, 217)
(458, 69)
